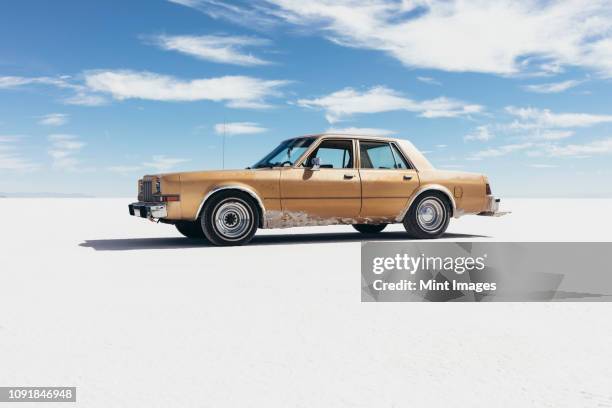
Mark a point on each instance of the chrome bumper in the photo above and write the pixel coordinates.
(148, 210)
(492, 208)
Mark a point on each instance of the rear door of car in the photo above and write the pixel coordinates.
(387, 179)
(332, 191)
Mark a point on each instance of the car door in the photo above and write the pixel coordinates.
(387, 179)
(332, 191)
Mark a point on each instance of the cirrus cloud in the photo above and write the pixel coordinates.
(64, 150)
(54, 119)
(500, 37)
(239, 128)
(11, 158)
(545, 118)
(348, 101)
(215, 48)
(235, 91)
(552, 87)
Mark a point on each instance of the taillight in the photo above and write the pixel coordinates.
(169, 198)
(488, 189)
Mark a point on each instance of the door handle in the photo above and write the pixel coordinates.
(407, 177)
(348, 176)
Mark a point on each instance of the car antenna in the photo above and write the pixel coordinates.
(223, 148)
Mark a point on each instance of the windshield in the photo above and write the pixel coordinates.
(285, 154)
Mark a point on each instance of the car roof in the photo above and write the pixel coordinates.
(345, 136)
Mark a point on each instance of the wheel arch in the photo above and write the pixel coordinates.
(425, 189)
(235, 187)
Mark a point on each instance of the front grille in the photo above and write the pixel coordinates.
(147, 191)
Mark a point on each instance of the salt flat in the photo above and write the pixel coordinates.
(134, 315)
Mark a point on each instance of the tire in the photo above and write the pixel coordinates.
(435, 211)
(369, 228)
(230, 218)
(190, 229)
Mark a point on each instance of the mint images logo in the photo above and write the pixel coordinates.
(411, 264)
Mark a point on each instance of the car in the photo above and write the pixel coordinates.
(365, 181)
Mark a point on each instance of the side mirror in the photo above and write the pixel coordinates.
(315, 164)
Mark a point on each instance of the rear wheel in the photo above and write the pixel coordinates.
(369, 228)
(190, 229)
(230, 218)
(428, 216)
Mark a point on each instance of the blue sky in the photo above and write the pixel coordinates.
(93, 95)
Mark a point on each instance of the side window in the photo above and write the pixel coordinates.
(334, 154)
(400, 162)
(376, 155)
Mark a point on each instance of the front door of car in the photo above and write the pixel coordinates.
(387, 180)
(331, 191)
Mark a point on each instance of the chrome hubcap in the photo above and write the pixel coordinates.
(232, 219)
(431, 214)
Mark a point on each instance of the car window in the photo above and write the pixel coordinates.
(334, 154)
(376, 155)
(400, 162)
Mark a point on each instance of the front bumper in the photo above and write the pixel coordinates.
(492, 207)
(148, 210)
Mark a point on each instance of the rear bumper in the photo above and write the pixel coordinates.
(148, 210)
(492, 207)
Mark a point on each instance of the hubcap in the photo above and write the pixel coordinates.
(431, 214)
(232, 219)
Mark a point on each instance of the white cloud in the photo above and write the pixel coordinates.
(499, 37)
(159, 163)
(543, 166)
(63, 151)
(481, 134)
(162, 163)
(552, 134)
(81, 95)
(603, 146)
(10, 157)
(236, 91)
(429, 80)
(544, 118)
(85, 99)
(124, 169)
(499, 151)
(7, 82)
(361, 131)
(239, 128)
(348, 101)
(54, 119)
(252, 17)
(216, 48)
(553, 87)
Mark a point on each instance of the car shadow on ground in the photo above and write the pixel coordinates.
(128, 244)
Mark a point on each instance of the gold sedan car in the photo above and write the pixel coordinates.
(328, 179)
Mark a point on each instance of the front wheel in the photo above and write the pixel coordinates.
(369, 228)
(230, 218)
(428, 216)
